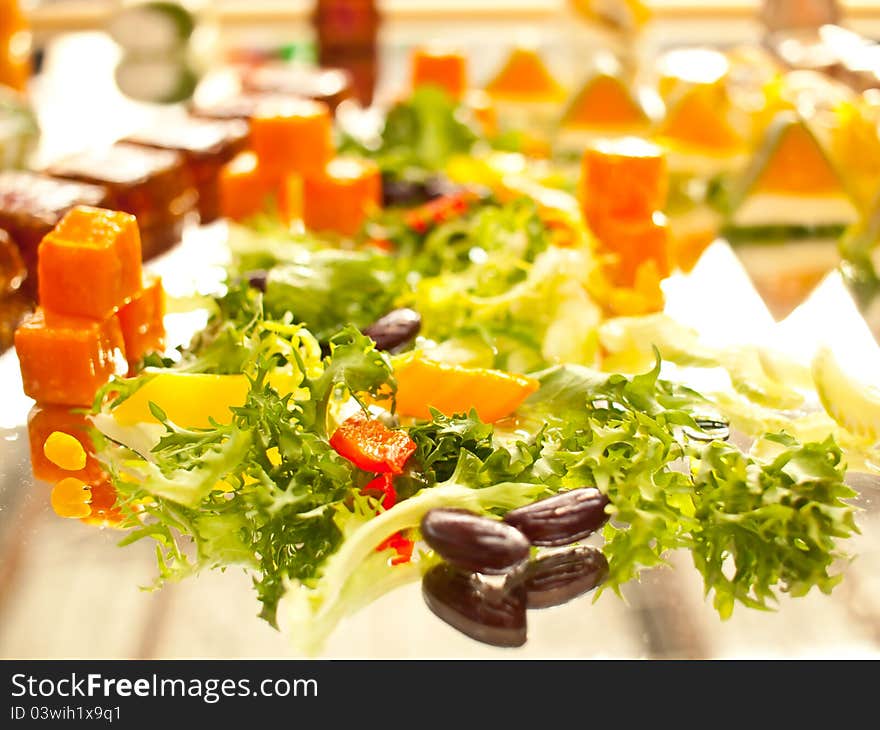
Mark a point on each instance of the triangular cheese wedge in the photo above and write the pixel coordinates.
(697, 121)
(525, 77)
(792, 182)
(605, 103)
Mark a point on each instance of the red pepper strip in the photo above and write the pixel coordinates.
(384, 484)
(370, 445)
(403, 546)
(439, 211)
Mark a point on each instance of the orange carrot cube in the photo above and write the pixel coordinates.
(90, 263)
(623, 178)
(341, 199)
(65, 360)
(142, 321)
(432, 67)
(244, 187)
(295, 135)
(43, 421)
(632, 243)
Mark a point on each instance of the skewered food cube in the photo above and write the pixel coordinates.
(295, 136)
(65, 360)
(436, 67)
(30, 206)
(634, 243)
(151, 184)
(141, 320)
(342, 198)
(243, 187)
(327, 85)
(90, 264)
(205, 145)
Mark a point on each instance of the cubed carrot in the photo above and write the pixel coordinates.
(142, 321)
(290, 197)
(65, 360)
(623, 178)
(446, 69)
(244, 187)
(341, 199)
(294, 135)
(633, 243)
(45, 420)
(90, 263)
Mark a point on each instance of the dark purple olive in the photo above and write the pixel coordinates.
(495, 616)
(561, 519)
(402, 192)
(394, 329)
(258, 279)
(558, 578)
(472, 542)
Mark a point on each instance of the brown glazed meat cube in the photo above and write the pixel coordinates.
(13, 309)
(330, 85)
(30, 206)
(153, 185)
(206, 145)
(12, 270)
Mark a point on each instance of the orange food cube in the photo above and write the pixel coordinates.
(65, 360)
(623, 178)
(633, 243)
(142, 321)
(244, 187)
(293, 136)
(103, 510)
(46, 420)
(90, 263)
(290, 197)
(440, 68)
(341, 199)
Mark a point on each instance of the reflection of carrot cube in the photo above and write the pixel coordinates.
(341, 199)
(43, 420)
(64, 360)
(90, 263)
(295, 135)
(632, 243)
(623, 178)
(440, 68)
(142, 321)
(103, 509)
(244, 187)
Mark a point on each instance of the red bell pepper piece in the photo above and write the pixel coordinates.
(370, 445)
(439, 210)
(403, 546)
(384, 484)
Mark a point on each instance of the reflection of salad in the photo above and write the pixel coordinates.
(346, 394)
(18, 129)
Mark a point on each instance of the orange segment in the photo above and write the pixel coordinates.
(604, 102)
(64, 360)
(90, 263)
(448, 70)
(142, 321)
(796, 164)
(623, 178)
(451, 389)
(244, 187)
(524, 77)
(341, 199)
(699, 120)
(295, 135)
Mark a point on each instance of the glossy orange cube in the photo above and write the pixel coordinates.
(45, 419)
(243, 187)
(90, 263)
(631, 243)
(623, 178)
(65, 360)
(433, 67)
(343, 197)
(142, 321)
(293, 136)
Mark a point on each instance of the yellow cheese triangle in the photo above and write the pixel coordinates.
(604, 102)
(524, 76)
